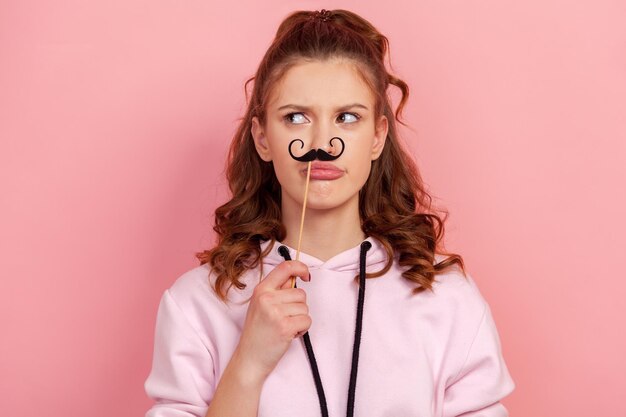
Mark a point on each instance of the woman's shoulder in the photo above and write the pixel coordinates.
(191, 283)
(191, 299)
(456, 289)
(197, 286)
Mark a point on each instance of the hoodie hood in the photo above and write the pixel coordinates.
(346, 261)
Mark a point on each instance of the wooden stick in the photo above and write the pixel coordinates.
(306, 194)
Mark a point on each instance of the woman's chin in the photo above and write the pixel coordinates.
(328, 202)
(321, 189)
(323, 195)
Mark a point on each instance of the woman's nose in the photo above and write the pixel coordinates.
(321, 138)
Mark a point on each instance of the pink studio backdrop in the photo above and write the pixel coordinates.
(115, 118)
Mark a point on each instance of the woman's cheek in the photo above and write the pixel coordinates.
(289, 177)
(360, 165)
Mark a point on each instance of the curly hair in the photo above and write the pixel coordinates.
(394, 206)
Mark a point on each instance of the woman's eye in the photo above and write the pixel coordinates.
(349, 117)
(296, 118)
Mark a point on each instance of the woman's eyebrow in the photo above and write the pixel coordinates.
(352, 106)
(305, 108)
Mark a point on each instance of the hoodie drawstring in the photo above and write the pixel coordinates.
(365, 246)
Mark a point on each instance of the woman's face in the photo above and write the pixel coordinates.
(315, 101)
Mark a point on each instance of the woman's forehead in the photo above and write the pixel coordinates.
(329, 83)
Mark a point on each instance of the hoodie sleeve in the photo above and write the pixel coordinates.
(181, 381)
(484, 378)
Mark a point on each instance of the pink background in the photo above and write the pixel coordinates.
(114, 122)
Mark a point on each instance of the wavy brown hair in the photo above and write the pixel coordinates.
(394, 205)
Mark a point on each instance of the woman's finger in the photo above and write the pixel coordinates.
(299, 324)
(282, 273)
(294, 309)
(291, 295)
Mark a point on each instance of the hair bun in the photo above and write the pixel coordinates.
(323, 15)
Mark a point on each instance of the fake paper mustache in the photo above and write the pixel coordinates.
(314, 154)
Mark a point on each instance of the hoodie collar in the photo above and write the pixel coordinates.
(346, 261)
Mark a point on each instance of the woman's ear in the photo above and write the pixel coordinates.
(380, 136)
(260, 141)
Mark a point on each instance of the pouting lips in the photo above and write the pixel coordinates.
(324, 171)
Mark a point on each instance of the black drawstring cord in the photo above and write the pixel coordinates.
(284, 252)
(365, 246)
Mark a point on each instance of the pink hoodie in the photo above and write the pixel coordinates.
(426, 355)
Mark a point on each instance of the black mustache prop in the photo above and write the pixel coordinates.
(314, 154)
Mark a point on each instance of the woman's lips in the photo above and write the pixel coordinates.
(324, 171)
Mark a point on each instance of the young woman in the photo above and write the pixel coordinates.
(382, 322)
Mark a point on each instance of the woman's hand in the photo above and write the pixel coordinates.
(276, 315)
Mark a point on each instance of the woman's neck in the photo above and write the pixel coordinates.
(326, 233)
